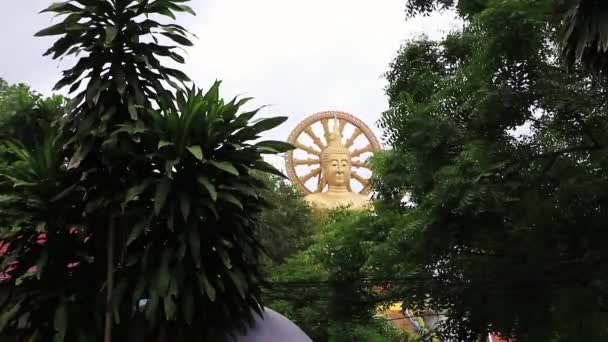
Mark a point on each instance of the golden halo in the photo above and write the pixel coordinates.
(359, 132)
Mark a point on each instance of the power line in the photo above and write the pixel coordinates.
(400, 280)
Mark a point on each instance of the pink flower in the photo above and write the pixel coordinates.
(3, 248)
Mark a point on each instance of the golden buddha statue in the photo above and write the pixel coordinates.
(336, 173)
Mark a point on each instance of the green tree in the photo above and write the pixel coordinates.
(25, 114)
(585, 34)
(15, 98)
(287, 226)
(583, 26)
(501, 231)
(147, 191)
(30, 139)
(327, 289)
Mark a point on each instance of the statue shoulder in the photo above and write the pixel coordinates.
(361, 200)
(313, 199)
(321, 200)
(313, 196)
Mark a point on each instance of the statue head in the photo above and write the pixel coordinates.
(335, 162)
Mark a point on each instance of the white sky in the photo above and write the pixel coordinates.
(298, 57)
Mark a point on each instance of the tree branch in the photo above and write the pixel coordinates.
(110, 281)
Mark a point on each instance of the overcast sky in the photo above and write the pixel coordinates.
(298, 57)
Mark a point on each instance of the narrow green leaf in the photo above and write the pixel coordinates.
(61, 7)
(184, 205)
(206, 286)
(187, 9)
(79, 155)
(266, 167)
(8, 315)
(239, 282)
(163, 143)
(278, 146)
(93, 90)
(225, 166)
(60, 323)
(188, 305)
(243, 189)
(41, 263)
(117, 295)
(178, 38)
(170, 308)
(268, 124)
(170, 166)
(151, 307)
(120, 82)
(194, 241)
(196, 151)
(135, 191)
(175, 73)
(163, 276)
(111, 32)
(140, 98)
(136, 231)
(181, 246)
(52, 30)
(213, 93)
(35, 337)
(162, 191)
(171, 217)
(211, 206)
(225, 257)
(164, 11)
(64, 193)
(132, 112)
(228, 197)
(210, 187)
(74, 87)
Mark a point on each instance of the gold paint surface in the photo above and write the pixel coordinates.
(333, 165)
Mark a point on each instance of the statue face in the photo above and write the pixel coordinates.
(337, 169)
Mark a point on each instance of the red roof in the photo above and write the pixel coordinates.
(496, 338)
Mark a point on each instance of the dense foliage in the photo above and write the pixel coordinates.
(583, 26)
(15, 98)
(29, 138)
(585, 34)
(287, 227)
(25, 114)
(326, 289)
(497, 179)
(144, 189)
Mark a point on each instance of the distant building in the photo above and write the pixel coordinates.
(416, 323)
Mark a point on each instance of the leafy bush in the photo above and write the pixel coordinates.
(145, 189)
(288, 226)
(324, 290)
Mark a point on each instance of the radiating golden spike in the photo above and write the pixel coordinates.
(359, 179)
(353, 137)
(312, 161)
(335, 122)
(308, 149)
(357, 163)
(326, 131)
(342, 125)
(309, 175)
(356, 153)
(314, 137)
